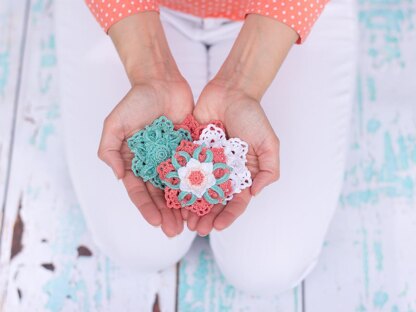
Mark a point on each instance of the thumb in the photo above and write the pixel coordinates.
(269, 170)
(110, 146)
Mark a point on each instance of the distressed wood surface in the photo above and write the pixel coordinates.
(12, 25)
(12, 37)
(203, 288)
(49, 262)
(369, 259)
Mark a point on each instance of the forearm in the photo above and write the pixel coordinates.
(141, 44)
(257, 55)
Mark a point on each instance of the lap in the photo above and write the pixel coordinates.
(308, 105)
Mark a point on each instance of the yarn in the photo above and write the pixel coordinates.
(235, 151)
(196, 165)
(153, 145)
(194, 179)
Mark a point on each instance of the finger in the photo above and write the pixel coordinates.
(179, 220)
(127, 156)
(206, 223)
(192, 220)
(110, 145)
(140, 197)
(184, 213)
(269, 170)
(169, 224)
(232, 210)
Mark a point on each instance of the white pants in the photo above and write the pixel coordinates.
(276, 242)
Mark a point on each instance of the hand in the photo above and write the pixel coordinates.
(243, 117)
(158, 89)
(233, 97)
(142, 104)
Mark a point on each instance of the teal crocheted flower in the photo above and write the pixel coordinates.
(153, 145)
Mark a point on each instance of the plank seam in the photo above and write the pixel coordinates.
(14, 116)
(303, 286)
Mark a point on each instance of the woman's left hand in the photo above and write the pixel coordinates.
(233, 96)
(244, 118)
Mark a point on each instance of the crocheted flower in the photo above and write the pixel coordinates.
(196, 178)
(235, 151)
(153, 145)
(195, 129)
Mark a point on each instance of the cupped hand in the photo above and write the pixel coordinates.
(144, 103)
(244, 118)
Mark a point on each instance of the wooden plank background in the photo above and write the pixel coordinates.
(48, 261)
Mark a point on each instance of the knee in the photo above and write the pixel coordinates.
(145, 254)
(264, 276)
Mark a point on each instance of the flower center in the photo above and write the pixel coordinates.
(196, 177)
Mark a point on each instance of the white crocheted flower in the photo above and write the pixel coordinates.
(236, 152)
(196, 177)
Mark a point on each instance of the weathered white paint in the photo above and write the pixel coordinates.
(12, 25)
(203, 288)
(368, 258)
(58, 268)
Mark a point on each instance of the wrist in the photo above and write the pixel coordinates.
(141, 44)
(256, 56)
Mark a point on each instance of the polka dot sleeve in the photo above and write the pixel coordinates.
(300, 15)
(109, 12)
(297, 14)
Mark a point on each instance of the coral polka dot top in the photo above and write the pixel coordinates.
(300, 15)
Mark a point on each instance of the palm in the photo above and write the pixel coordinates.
(140, 107)
(243, 117)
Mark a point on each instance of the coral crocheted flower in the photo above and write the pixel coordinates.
(195, 129)
(153, 145)
(196, 178)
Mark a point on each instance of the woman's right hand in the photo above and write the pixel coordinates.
(157, 89)
(142, 104)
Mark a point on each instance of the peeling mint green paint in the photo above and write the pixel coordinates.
(361, 308)
(371, 87)
(48, 57)
(380, 299)
(200, 278)
(365, 260)
(45, 83)
(391, 176)
(65, 283)
(44, 133)
(98, 295)
(378, 253)
(38, 6)
(4, 70)
(373, 125)
(107, 277)
(296, 299)
(360, 101)
(403, 154)
(395, 308)
(197, 291)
